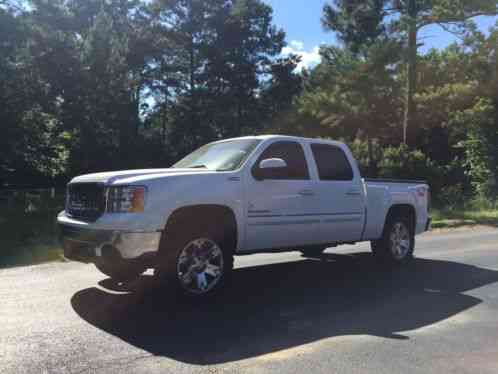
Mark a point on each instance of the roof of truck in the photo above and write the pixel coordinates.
(264, 137)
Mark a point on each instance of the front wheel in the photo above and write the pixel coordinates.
(397, 243)
(197, 265)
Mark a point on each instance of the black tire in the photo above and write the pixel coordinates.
(121, 272)
(389, 251)
(312, 251)
(176, 239)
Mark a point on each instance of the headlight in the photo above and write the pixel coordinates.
(126, 199)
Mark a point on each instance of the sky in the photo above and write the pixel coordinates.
(301, 21)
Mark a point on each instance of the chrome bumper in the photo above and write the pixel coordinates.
(89, 245)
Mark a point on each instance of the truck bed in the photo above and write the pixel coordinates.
(384, 192)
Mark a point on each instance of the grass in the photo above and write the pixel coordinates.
(464, 217)
(31, 255)
(27, 227)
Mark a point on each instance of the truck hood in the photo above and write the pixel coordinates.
(113, 176)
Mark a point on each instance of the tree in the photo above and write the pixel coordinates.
(217, 59)
(92, 54)
(360, 21)
(481, 143)
(29, 148)
(350, 95)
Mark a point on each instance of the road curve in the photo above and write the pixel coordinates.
(284, 314)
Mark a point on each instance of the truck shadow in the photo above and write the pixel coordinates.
(275, 307)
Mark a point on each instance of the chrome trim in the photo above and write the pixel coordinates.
(323, 214)
(267, 216)
(129, 244)
(283, 223)
(342, 220)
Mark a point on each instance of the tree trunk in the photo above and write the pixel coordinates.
(193, 99)
(163, 124)
(411, 83)
(371, 162)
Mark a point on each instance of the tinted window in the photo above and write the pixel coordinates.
(292, 153)
(332, 163)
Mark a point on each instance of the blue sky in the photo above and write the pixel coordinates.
(301, 21)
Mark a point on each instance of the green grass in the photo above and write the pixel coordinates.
(28, 232)
(31, 255)
(464, 217)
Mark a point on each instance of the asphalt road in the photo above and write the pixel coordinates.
(283, 314)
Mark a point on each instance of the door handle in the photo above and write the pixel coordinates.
(353, 193)
(306, 193)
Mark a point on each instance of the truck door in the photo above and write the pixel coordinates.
(341, 198)
(277, 212)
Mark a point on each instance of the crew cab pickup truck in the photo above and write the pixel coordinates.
(236, 197)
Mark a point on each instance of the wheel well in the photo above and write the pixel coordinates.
(207, 216)
(403, 210)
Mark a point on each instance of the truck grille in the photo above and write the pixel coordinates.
(85, 201)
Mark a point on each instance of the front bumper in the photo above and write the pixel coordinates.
(90, 245)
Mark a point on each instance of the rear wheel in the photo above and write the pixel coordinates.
(397, 243)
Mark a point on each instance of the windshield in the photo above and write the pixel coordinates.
(224, 156)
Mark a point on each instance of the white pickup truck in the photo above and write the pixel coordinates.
(235, 197)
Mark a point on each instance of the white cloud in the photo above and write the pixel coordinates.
(309, 59)
(297, 45)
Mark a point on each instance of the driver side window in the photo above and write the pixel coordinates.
(292, 153)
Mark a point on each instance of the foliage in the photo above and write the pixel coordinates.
(27, 219)
(481, 148)
(106, 84)
(90, 85)
(360, 23)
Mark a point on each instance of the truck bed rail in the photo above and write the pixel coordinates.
(388, 180)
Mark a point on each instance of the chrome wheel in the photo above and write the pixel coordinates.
(200, 266)
(399, 241)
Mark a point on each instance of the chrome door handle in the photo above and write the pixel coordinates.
(353, 193)
(306, 193)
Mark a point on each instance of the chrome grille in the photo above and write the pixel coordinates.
(85, 201)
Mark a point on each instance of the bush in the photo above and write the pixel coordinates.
(27, 224)
(449, 184)
(481, 148)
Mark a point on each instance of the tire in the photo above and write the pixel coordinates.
(397, 244)
(312, 251)
(120, 272)
(195, 263)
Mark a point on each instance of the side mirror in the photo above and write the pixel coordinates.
(270, 168)
(272, 163)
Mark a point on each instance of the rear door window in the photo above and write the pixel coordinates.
(332, 163)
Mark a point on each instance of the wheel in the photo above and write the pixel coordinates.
(312, 251)
(397, 244)
(196, 264)
(119, 271)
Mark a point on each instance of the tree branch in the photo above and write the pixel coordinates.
(445, 27)
(428, 20)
